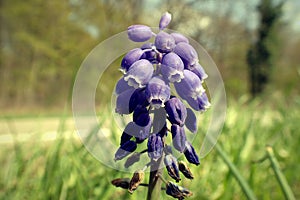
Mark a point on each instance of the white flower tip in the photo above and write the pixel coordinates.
(168, 15)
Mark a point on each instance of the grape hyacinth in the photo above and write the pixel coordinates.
(145, 91)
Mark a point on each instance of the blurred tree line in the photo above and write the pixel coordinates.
(44, 42)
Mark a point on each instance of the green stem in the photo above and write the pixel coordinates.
(242, 182)
(288, 193)
(154, 188)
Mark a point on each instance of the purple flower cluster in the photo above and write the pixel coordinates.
(145, 92)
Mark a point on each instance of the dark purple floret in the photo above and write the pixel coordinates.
(164, 42)
(159, 121)
(187, 53)
(141, 116)
(123, 102)
(139, 33)
(130, 58)
(125, 137)
(140, 132)
(178, 137)
(149, 53)
(155, 146)
(138, 98)
(190, 154)
(139, 74)
(172, 167)
(176, 111)
(125, 149)
(191, 121)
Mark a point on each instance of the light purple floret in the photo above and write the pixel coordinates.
(164, 42)
(139, 74)
(190, 86)
(157, 92)
(131, 57)
(122, 86)
(139, 33)
(201, 103)
(187, 53)
(172, 67)
(179, 38)
(199, 71)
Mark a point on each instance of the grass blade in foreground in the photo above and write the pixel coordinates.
(288, 193)
(242, 182)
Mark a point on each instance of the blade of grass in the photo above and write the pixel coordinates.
(242, 182)
(286, 189)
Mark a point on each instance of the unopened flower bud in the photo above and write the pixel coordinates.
(190, 154)
(141, 132)
(157, 92)
(121, 182)
(141, 116)
(138, 98)
(168, 149)
(164, 42)
(177, 191)
(190, 86)
(135, 157)
(172, 67)
(201, 103)
(136, 179)
(122, 86)
(125, 136)
(139, 74)
(176, 111)
(172, 168)
(125, 149)
(155, 146)
(199, 71)
(178, 137)
(130, 58)
(179, 38)
(123, 102)
(165, 20)
(139, 33)
(187, 53)
(149, 54)
(191, 121)
(185, 170)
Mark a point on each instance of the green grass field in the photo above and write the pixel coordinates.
(51, 163)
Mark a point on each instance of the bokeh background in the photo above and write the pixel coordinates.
(255, 45)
